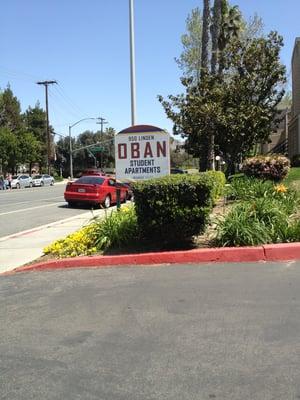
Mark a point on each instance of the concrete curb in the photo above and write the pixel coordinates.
(276, 252)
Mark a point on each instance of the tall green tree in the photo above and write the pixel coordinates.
(205, 37)
(216, 27)
(197, 36)
(8, 149)
(30, 149)
(190, 58)
(239, 107)
(21, 141)
(10, 111)
(12, 125)
(35, 122)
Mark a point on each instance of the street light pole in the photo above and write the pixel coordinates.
(71, 152)
(132, 63)
(70, 140)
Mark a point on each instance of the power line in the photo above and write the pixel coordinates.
(62, 104)
(15, 74)
(67, 99)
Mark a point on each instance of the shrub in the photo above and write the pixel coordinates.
(174, 208)
(275, 167)
(117, 229)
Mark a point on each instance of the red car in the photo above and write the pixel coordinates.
(97, 190)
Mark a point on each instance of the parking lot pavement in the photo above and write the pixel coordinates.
(218, 331)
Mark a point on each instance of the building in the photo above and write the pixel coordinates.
(294, 123)
(279, 137)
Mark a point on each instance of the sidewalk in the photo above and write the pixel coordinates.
(23, 247)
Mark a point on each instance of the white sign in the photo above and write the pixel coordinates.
(142, 155)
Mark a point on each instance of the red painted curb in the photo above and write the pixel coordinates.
(276, 252)
(282, 251)
(229, 254)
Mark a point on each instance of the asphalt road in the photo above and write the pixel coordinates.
(32, 207)
(186, 332)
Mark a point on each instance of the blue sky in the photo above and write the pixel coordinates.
(84, 45)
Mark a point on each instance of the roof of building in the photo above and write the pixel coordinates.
(142, 129)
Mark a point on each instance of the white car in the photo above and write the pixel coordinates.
(43, 180)
(21, 181)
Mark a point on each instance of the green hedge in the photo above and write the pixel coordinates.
(176, 207)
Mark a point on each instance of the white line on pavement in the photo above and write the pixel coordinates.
(32, 201)
(30, 208)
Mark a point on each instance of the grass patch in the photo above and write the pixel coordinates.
(293, 178)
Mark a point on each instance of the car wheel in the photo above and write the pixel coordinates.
(42, 183)
(52, 183)
(107, 202)
(30, 184)
(18, 186)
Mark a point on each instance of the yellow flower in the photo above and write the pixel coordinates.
(281, 188)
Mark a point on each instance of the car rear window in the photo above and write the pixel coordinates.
(90, 180)
(37, 177)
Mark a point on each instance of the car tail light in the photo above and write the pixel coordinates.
(93, 188)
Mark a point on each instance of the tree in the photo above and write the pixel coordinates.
(35, 121)
(30, 148)
(12, 126)
(239, 107)
(8, 148)
(190, 59)
(10, 111)
(230, 28)
(197, 33)
(215, 33)
(205, 37)
(82, 159)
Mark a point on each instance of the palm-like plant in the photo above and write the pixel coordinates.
(231, 25)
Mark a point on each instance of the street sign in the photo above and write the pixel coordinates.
(96, 149)
(142, 152)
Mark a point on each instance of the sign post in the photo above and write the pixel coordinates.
(142, 152)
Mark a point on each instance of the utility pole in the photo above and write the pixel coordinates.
(102, 122)
(48, 141)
